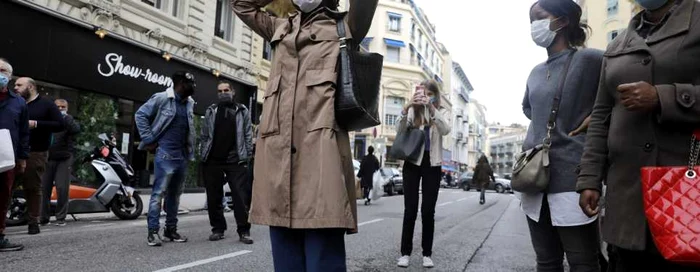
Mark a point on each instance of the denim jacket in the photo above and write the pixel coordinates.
(244, 133)
(154, 117)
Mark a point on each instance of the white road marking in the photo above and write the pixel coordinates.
(456, 192)
(462, 199)
(98, 225)
(370, 222)
(446, 203)
(205, 261)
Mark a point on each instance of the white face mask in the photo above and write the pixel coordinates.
(307, 6)
(541, 34)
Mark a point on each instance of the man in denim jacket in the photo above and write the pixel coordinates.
(166, 127)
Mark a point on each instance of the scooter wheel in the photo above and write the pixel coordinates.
(122, 211)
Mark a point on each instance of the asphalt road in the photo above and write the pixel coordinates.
(468, 237)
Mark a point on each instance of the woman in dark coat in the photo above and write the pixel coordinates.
(368, 166)
(483, 174)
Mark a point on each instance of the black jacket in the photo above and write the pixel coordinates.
(64, 142)
(49, 120)
(368, 166)
(244, 133)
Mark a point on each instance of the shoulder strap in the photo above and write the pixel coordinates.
(552, 122)
(340, 23)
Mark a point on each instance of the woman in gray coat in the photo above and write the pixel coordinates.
(557, 225)
(647, 108)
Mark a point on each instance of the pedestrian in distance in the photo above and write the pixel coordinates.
(44, 120)
(58, 169)
(646, 112)
(558, 100)
(424, 112)
(483, 175)
(304, 185)
(166, 127)
(226, 146)
(15, 118)
(368, 167)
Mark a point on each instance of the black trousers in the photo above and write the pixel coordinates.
(412, 176)
(580, 244)
(215, 174)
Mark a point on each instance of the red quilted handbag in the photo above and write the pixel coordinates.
(672, 207)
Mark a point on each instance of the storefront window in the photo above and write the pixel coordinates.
(97, 114)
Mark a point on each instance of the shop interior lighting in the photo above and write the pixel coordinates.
(101, 32)
(166, 55)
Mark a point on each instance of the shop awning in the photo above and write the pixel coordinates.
(394, 43)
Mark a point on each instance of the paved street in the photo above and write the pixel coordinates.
(468, 237)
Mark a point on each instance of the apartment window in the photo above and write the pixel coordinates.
(413, 31)
(391, 119)
(612, 35)
(225, 21)
(394, 22)
(267, 51)
(613, 6)
(172, 7)
(393, 54)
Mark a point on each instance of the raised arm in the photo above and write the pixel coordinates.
(259, 21)
(360, 17)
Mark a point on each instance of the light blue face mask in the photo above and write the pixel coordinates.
(3, 81)
(652, 4)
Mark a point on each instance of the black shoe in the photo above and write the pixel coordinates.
(154, 238)
(44, 222)
(61, 223)
(171, 233)
(216, 236)
(482, 202)
(245, 238)
(366, 202)
(6, 246)
(34, 229)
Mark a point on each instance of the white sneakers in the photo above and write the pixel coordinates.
(428, 262)
(404, 261)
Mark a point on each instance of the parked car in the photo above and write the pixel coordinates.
(393, 180)
(466, 182)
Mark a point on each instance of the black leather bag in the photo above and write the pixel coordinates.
(357, 88)
(408, 144)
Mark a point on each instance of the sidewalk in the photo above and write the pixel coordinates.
(189, 202)
(508, 247)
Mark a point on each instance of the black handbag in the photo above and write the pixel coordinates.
(408, 145)
(357, 88)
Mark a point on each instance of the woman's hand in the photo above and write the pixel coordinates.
(582, 128)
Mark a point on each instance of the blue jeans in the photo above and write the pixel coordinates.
(308, 250)
(170, 178)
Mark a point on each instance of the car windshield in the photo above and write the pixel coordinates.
(389, 172)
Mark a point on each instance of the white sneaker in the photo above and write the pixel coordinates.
(428, 262)
(403, 261)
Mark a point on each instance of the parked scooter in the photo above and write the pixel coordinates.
(111, 168)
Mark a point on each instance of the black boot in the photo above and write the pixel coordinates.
(154, 238)
(33, 229)
(245, 238)
(171, 233)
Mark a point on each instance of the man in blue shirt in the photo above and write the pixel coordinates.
(13, 117)
(166, 127)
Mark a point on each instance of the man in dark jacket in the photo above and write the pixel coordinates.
(44, 119)
(369, 165)
(226, 148)
(13, 117)
(58, 169)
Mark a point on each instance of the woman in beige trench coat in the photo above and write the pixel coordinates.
(305, 187)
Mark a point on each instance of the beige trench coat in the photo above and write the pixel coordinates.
(620, 142)
(304, 177)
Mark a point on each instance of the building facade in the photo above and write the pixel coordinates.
(461, 90)
(403, 34)
(107, 57)
(477, 141)
(504, 149)
(607, 19)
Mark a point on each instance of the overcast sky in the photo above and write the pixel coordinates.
(491, 40)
